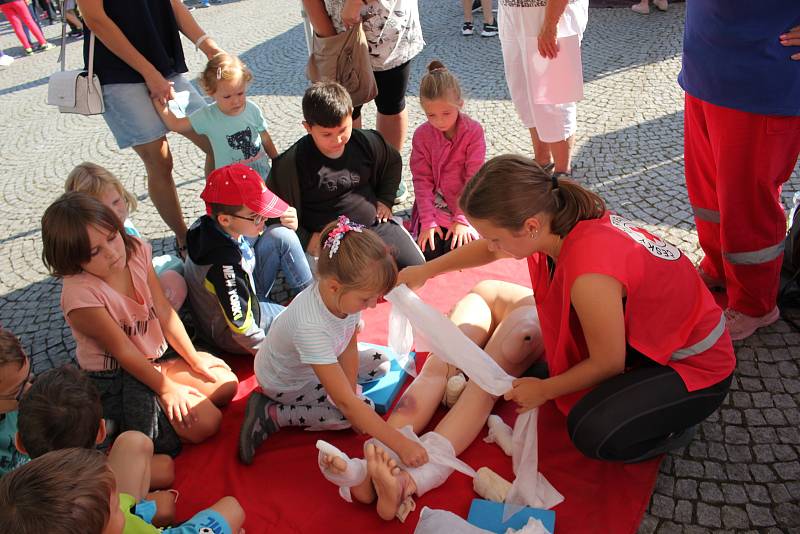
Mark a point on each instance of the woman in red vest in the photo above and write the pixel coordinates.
(637, 349)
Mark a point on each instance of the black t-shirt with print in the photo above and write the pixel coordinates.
(333, 187)
(151, 28)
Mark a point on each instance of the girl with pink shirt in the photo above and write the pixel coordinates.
(446, 152)
(128, 338)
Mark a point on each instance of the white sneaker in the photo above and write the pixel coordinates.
(6, 60)
(742, 326)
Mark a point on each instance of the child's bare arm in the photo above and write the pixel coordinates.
(269, 146)
(175, 124)
(349, 361)
(361, 416)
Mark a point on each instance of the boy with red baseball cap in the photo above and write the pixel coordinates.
(233, 259)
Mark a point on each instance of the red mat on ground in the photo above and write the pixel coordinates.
(284, 492)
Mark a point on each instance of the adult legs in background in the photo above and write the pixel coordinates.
(736, 163)
(392, 119)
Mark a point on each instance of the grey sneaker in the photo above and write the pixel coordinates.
(256, 427)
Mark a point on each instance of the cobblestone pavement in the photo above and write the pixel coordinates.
(742, 471)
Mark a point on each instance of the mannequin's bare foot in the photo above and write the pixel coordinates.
(363, 493)
(392, 485)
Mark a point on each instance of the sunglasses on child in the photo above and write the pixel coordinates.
(255, 219)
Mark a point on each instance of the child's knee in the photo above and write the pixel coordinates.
(133, 442)
(207, 425)
(165, 508)
(228, 385)
(162, 472)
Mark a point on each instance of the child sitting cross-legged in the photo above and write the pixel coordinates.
(80, 490)
(62, 409)
(338, 170)
(234, 259)
(122, 324)
(15, 372)
(309, 367)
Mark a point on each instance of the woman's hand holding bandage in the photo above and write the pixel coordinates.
(528, 393)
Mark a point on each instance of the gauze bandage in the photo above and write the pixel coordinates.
(500, 433)
(454, 389)
(353, 475)
(436, 333)
(490, 485)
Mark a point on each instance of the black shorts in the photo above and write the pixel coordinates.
(392, 87)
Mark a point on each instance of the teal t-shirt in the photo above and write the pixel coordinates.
(234, 139)
(10, 457)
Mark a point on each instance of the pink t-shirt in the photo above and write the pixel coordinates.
(136, 318)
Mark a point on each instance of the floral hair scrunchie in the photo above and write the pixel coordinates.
(343, 225)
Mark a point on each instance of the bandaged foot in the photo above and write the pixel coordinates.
(455, 387)
(340, 470)
(490, 485)
(393, 486)
(499, 433)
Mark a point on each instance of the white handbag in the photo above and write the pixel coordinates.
(75, 91)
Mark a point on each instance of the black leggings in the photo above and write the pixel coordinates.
(392, 86)
(641, 413)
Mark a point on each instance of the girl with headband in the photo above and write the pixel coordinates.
(309, 365)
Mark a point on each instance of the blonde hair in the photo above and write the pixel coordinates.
(92, 179)
(223, 67)
(439, 83)
(362, 261)
(61, 492)
(509, 189)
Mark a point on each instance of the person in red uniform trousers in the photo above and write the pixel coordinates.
(637, 349)
(741, 75)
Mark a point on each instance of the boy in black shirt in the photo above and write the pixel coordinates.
(336, 170)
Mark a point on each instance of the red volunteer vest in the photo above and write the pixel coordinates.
(670, 315)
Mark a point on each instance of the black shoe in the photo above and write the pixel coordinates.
(467, 29)
(476, 6)
(489, 30)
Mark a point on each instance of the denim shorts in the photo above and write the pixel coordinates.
(130, 114)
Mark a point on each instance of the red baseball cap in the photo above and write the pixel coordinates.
(239, 185)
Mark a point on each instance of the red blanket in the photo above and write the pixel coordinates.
(284, 492)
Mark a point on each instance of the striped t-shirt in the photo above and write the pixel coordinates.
(305, 333)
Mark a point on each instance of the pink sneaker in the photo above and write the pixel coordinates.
(742, 326)
(713, 284)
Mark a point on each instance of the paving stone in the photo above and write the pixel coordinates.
(708, 515)
(661, 506)
(683, 512)
(734, 494)
(760, 516)
(734, 518)
(686, 489)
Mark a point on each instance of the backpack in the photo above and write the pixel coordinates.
(789, 293)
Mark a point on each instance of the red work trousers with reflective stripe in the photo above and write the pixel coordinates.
(736, 163)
